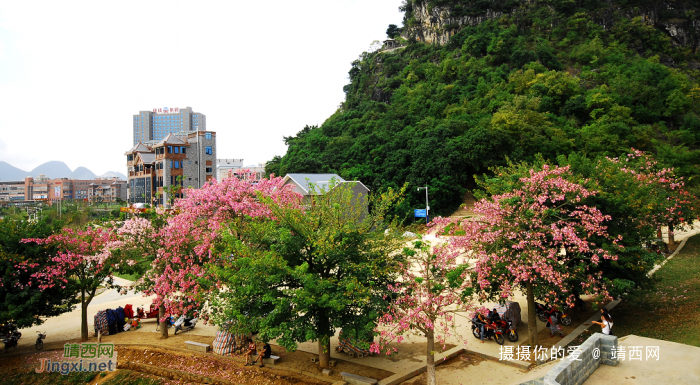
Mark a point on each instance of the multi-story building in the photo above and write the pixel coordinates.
(45, 189)
(157, 124)
(184, 159)
(234, 167)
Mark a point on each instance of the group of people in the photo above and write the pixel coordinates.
(552, 322)
(265, 352)
(486, 321)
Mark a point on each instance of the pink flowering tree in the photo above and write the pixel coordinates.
(539, 238)
(83, 261)
(666, 201)
(179, 274)
(433, 291)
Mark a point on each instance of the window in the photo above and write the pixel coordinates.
(207, 135)
(170, 149)
(208, 150)
(183, 150)
(209, 169)
(177, 149)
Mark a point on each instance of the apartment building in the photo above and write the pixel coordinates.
(182, 159)
(45, 189)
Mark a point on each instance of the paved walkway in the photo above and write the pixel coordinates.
(677, 364)
(67, 325)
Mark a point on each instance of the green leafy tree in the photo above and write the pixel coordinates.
(393, 31)
(309, 272)
(21, 299)
(556, 83)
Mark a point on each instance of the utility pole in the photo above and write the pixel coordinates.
(427, 207)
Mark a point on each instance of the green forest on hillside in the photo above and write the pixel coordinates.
(548, 80)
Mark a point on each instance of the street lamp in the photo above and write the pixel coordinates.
(427, 207)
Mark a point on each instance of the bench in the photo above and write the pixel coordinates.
(357, 380)
(204, 348)
(270, 361)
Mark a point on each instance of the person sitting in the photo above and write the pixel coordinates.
(265, 352)
(552, 321)
(249, 352)
(494, 316)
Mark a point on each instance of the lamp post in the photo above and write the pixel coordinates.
(427, 207)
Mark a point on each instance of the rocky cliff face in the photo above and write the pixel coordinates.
(435, 24)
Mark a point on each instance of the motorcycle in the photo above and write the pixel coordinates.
(11, 340)
(183, 324)
(543, 313)
(490, 330)
(39, 344)
(507, 326)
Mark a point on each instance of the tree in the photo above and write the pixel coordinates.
(393, 31)
(433, 290)
(179, 271)
(633, 190)
(541, 238)
(308, 271)
(83, 261)
(21, 298)
(138, 240)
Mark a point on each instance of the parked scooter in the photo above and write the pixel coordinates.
(185, 324)
(39, 344)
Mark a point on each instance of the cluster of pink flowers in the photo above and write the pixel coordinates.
(84, 254)
(427, 302)
(187, 242)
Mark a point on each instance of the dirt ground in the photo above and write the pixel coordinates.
(459, 362)
(148, 348)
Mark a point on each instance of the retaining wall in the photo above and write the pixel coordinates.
(576, 372)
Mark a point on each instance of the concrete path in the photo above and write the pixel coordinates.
(677, 364)
(67, 326)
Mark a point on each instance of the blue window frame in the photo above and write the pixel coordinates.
(177, 149)
(208, 150)
(207, 135)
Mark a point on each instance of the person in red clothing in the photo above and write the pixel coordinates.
(249, 352)
(552, 320)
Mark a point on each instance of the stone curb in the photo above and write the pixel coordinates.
(678, 249)
(583, 327)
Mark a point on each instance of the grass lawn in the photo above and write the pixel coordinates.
(672, 311)
(130, 277)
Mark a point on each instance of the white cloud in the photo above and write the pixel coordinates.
(75, 72)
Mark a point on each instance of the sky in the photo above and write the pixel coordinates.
(73, 73)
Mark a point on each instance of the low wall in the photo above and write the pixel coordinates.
(576, 372)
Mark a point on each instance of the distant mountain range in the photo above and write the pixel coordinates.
(53, 169)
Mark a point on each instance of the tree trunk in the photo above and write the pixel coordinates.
(671, 238)
(163, 325)
(430, 358)
(83, 317)
(531, 316)
(324, 352)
